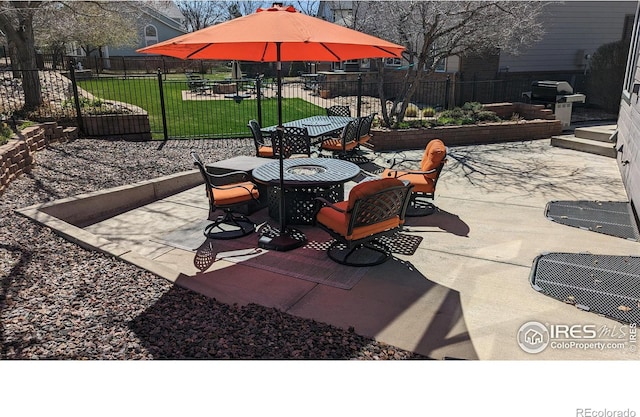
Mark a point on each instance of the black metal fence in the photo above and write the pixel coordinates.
(203, 106)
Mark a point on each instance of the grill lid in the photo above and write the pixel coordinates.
(547, 87)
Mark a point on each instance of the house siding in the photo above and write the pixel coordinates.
(572, 29)
(167, 29)
(628, 135)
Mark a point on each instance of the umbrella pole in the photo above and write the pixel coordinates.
(286, 240)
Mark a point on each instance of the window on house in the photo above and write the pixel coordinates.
(441, 66)
(150, 35)
(392, 62)
(632, 60)
(365, 63)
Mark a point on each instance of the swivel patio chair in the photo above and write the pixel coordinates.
(364, 130)
(227, 192)
(424, 180)
(375, 208)
(339, 111)
(296, 142)
(263, 150)
(344, 145)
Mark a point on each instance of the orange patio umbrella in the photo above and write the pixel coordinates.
(277, 34)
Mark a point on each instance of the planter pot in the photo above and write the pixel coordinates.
(389, 139)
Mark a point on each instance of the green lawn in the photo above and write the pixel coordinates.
(201, 118)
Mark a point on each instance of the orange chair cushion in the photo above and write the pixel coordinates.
(367, 188)
(265, 152)
(364, 139)
(434, 153)
(339, 222)
(335, 144)
(232, 194)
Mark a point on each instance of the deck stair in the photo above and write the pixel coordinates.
(599, 140)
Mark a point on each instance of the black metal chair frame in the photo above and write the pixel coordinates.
(337, 110)
(374, 208)
(295, 141)
(349, 134)
(258, 139)
(243, 224)
(365, 127)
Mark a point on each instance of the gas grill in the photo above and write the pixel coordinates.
(557, 95)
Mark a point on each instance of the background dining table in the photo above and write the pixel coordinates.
(317, 126)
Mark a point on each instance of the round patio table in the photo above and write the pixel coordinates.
(304, 180)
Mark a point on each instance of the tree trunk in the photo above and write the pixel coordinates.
(381, 95)
(22, 39)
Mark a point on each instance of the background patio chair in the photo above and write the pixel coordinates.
(339, 111)
(263, 150)
(375, 208)
(296, 142)
(227, 192)
(364, 129)
(424, 180)
(345, 144)
(197, 84)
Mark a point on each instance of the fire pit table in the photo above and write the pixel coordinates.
(304, 180)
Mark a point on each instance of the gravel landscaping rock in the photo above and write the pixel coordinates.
(60, 301)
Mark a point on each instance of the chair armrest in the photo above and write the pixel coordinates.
(321, 202)
(394, 163)
(401, 173)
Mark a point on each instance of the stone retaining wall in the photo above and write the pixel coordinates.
(18, 155)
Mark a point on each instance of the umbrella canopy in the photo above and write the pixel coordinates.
(256, 37)
(277, 34)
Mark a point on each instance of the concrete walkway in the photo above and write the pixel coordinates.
(465, 293)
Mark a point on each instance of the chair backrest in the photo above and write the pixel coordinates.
(211, 181)
(339, 111)
(295, 141)
(350, 132)
(197, 161)
(258, 140)
(365, 125)
(434, 156)
(377, 201)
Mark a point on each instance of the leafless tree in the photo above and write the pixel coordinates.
(98, 23)
(433, 30)
(201, 14)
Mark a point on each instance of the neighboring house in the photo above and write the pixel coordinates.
(628, 133)
(573, 31)
(158, 23)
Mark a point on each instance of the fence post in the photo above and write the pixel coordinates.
(162, 106)
(124, 68)
(76, 96)
(259, 98)
(447, 90)
(359, 101)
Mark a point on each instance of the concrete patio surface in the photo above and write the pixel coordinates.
(465, 292)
